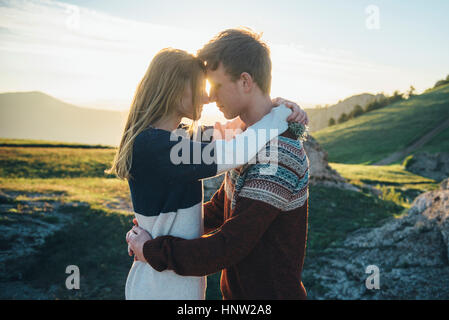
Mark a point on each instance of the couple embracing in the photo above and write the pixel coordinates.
(255, 226)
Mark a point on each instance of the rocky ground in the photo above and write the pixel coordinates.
(410, 252)
(27, 220)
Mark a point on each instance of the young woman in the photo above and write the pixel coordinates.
(166, 193)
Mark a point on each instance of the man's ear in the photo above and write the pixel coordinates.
(247, 82)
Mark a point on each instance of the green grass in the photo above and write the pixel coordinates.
(38, 162)
(99, 193)
(334, 213)
(439, 143)
(387, 175)
(395, 183)
(376, 134)
(48, 144)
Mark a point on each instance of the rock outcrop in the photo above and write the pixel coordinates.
(410, 252)
(434, 166)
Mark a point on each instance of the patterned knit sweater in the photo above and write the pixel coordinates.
(260, 219)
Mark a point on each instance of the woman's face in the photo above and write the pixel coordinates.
(187, 109)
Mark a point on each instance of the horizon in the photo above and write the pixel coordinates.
(74, 53)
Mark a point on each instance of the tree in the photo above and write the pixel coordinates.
(442, 82)
(411, 91)
(331, 122)
(357, 111)
(343, 117)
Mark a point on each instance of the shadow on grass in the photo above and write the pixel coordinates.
(95, 242)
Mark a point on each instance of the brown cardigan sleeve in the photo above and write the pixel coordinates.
(210, 254)
(214, 211)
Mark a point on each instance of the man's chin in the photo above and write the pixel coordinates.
(228, 115)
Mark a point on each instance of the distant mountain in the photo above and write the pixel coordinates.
(319, 118)
(35, 115)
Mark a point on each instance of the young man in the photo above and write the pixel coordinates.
(261, 219)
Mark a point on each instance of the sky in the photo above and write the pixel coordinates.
(94, 52)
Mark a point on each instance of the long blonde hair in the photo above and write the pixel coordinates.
(157, 96)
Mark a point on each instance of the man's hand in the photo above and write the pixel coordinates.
(136, 237)
(298, 114)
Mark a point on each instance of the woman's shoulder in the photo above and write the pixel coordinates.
(149, 137)
(151, 134)
(155, 140)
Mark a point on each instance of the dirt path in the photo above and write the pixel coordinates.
(415, 145)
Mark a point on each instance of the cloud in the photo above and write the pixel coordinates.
(78, 53)
(80, 48)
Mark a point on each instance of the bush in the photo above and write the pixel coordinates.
(383, 102)
(408, 162)
(343, 117)
(442, 82)
(331, 122)
(357, 111)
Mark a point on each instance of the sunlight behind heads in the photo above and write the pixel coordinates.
(94, 59)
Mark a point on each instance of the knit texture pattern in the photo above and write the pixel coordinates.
(278, 177)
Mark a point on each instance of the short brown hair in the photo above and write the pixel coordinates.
(240, 50)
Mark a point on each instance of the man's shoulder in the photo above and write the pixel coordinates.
(284, 152)
(280, 175)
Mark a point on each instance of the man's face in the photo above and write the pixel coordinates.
(227, 94)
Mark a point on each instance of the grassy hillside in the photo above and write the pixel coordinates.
(319, 117)
(376, 134)
(5, 142)
(39, 162)
(439, 143)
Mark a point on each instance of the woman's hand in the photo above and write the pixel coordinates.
(130, 252)
(136, 238)
(298, 114)
(228, 130)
